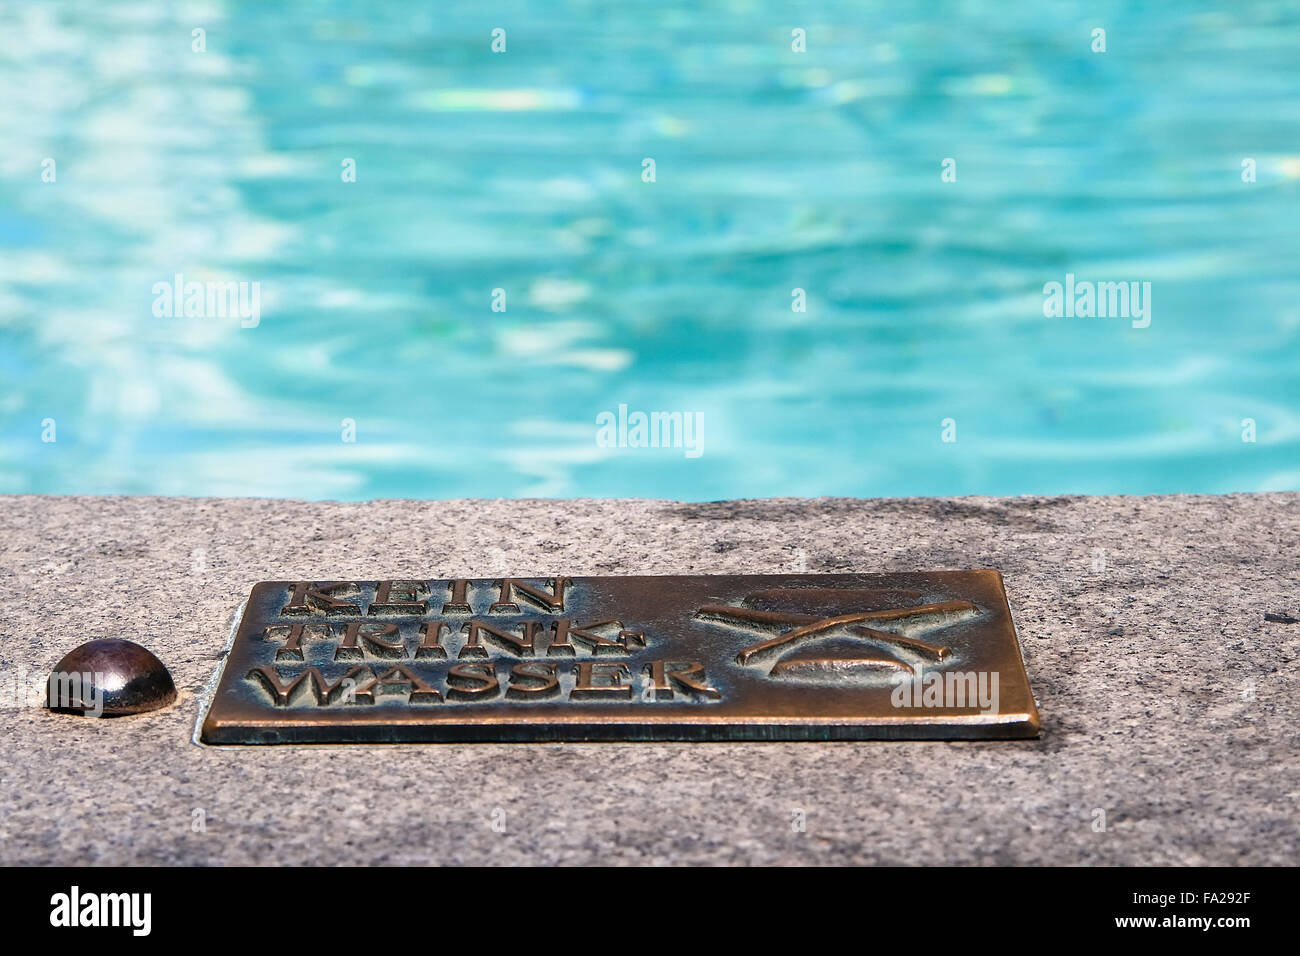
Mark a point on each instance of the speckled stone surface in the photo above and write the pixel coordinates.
(1168, 701)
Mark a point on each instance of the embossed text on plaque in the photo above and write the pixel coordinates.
(745, 657)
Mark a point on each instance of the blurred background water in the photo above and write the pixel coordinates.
(521, 171)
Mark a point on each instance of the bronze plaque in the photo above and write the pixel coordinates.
(744, 657)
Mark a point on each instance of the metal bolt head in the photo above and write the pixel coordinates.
(109, 678)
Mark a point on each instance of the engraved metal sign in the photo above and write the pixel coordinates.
(746, 657)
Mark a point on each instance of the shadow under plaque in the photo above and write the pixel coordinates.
(925, 655)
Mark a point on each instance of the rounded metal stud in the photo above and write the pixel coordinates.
(109, 678)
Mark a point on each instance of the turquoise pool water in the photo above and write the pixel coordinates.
(522, 171)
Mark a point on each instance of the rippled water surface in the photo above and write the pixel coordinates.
(522, 171)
